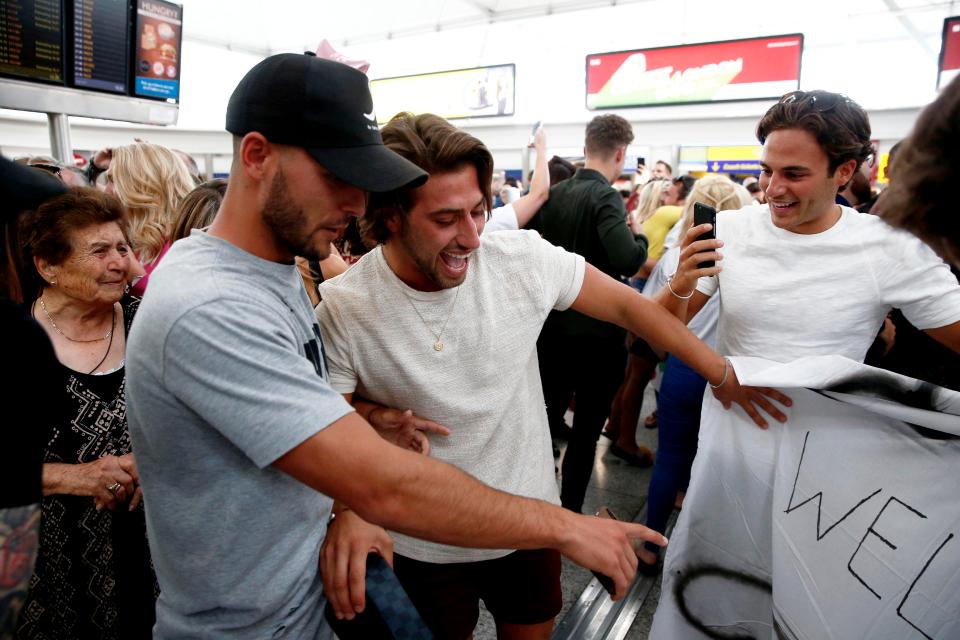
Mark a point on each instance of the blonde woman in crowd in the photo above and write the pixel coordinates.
(150, 181)
(681, 390)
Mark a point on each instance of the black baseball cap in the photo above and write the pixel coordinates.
(326, 108)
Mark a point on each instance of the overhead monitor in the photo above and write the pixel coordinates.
(101, 33)
(748, 69)
(157, 59)
(949, 52)
(464, 93)
(31, 40)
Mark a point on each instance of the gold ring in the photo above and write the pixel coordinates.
(115, 488)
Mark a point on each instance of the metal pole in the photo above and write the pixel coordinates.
(208, 165)
(60, 147)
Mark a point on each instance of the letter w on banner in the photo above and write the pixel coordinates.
(843, 523)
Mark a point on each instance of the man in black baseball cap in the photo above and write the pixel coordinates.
(324, 107)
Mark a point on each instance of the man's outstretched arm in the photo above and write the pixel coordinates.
(604, 298)
(428, 499)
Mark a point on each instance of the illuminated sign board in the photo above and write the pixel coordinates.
(949, 52)
(750, 69)
(101, 34)
(464, 93)
(31, 40)
(158, 47)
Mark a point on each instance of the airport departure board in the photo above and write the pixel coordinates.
(31, 39)
(101, 33)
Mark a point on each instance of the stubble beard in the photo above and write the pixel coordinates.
(288, 223)
(425, 266)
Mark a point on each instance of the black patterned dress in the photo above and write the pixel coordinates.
(93, 577)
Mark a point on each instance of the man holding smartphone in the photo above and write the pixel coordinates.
(799, 276)
(802, 275)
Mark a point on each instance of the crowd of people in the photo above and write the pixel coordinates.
(363, 341)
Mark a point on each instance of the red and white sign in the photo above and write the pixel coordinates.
(949, 52)
(751, 69)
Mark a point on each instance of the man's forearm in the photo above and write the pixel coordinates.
(604, 298)
(657, 326)
(417, 495)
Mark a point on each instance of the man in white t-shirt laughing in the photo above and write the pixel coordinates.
(440, 322)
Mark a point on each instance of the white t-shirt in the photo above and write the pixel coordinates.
(502, 219)
(787, 295)
(485, 382)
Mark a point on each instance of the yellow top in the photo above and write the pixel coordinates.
(657, 226)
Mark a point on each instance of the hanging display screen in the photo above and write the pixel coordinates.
(31, 39)
(949, 52)
(464, 93)
(749, 69)
(158, 38)
(101, 32)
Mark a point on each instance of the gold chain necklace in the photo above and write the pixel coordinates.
(106, 336)
(437, 345)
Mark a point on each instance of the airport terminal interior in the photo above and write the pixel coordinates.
(797, 441)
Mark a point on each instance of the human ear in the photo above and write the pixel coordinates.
(844, 173)
(46, 270)
(255, 150)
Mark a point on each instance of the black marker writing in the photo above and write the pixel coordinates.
(819, 497)
(870, 530)
(914, 583)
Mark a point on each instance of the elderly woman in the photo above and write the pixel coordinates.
(93, 575)
(150, 181)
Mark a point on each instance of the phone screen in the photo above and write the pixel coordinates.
(703, 214)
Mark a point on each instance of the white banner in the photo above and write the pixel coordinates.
(843, 523)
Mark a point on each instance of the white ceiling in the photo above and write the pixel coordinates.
(261, 28)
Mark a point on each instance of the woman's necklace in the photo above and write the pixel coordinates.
(438, 344)
(106, 336)
(113, 325)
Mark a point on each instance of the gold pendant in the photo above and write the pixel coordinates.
(438, 346)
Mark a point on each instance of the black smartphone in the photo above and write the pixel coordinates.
(641, 162)
(605, 581)
(704, 214)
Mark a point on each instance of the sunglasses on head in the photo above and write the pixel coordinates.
(820, 101)
(49, 168)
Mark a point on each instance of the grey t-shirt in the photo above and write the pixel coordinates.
(225, 374)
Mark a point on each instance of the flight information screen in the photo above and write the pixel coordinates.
(31, 39)
(100, 37)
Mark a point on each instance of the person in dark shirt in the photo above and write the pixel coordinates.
(578, 355)
(29, 349)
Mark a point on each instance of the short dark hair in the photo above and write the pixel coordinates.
(606, 133)
(685, 184)
(46, 232)
(840, 126)
(560, 169)
(666, 164)
(434, 145)
(927, 170)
